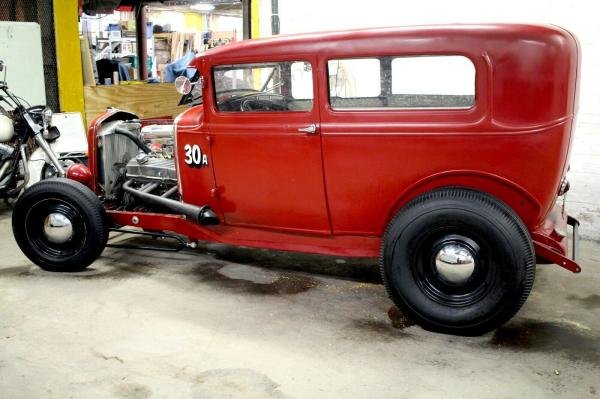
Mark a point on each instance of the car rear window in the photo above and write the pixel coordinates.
(402, 82)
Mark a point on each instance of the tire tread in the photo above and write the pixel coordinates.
(85, 200)
(471, 195)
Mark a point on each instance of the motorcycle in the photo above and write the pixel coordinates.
(29, 139)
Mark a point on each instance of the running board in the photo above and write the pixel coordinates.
(179, 241)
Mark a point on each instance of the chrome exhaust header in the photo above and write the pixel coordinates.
(201, 214)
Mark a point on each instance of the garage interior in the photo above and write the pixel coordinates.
(220, 321)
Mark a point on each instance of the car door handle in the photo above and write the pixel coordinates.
(310, 129)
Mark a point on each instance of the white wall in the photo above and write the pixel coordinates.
(580, 17)
(21, 51)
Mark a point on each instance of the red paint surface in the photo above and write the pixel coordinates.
(80, 173)
(351, 246)
(295, 191)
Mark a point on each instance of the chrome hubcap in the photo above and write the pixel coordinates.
(455, 263)
(58, 229)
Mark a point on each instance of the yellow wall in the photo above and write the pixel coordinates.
(254, 19)
(68, 56)
(192, 22)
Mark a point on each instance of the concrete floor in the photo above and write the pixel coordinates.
(222, 322)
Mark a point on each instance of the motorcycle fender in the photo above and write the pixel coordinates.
(35, 164)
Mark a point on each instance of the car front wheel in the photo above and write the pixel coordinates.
(60, 225)
(458, 261)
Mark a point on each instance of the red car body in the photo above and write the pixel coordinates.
(335, 191)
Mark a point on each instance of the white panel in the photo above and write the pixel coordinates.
(72, 133)
(21, 51)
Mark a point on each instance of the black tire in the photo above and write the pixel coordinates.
(484, 235)
(68, 199)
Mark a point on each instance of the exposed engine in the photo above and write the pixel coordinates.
(6, 152)
(130, 153)
(136, 170)
(152, 167)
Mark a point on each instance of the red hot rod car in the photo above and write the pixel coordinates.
(441, 149)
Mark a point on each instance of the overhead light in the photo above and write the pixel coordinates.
(202, 7)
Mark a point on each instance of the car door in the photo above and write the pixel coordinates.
(264, 127)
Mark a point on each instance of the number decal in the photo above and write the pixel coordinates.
(188, 154)
(194, 156)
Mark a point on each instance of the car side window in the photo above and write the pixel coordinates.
(264, 87)
(432, 81)
(355, 83)
(402, 82)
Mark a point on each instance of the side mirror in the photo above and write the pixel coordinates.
(1, 66)
(183, 85)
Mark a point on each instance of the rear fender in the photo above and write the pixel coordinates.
(516, 197)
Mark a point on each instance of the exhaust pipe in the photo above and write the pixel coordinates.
(202, 214)
(4, 168)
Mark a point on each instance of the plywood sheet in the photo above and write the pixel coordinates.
(144, 100)
(86, 62)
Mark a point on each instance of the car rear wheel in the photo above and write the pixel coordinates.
(458, 261)
(60, 225)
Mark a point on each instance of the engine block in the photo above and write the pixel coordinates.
(152, 169)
